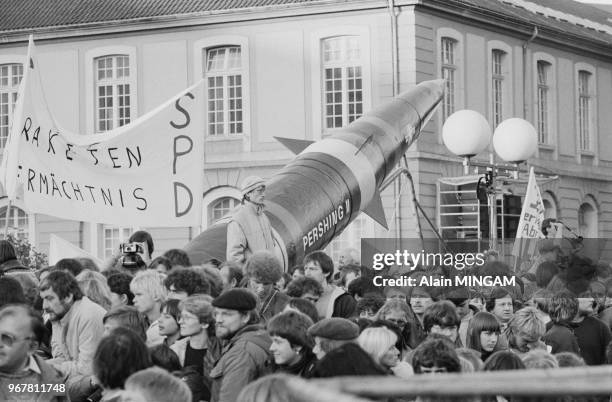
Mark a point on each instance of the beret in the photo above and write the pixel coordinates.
(335, 328)
(236, 299)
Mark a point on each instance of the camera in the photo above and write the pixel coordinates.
(131, 258)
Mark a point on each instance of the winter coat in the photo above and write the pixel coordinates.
(245, 358)
(249, 230)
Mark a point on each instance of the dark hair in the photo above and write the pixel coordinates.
(436, 352)
(299, 267)
(88, 263)
(300, 286)
(562, 307)
(481, 322)
(177, 257)
(305, 306)
(7, 251)
(372, 302)
(324, 261)
(171, 306)
(545, 272)
(118, 355)
(187, 280)
(129, 317)
(164, 357)
(161, 260)
(142, 236)
(234, 271)
(63, 283)
(497, 293)
(71, 265)
(11, 291)
(442, 313)
(362, 286)
(119, 283)
(503, 360)
(348, 359)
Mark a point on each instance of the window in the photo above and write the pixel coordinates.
(17, 222)
(10, 78)
(113, 92)
(497, 85)
(587, 221)
(543, 101)
(221, 208)
(584, 110)
(113, 237)
(449, 68)
(342, 81)
(223, 72)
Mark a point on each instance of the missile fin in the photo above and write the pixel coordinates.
(376, 211)
(294, 145)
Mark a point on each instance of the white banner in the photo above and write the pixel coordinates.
(530, 224)
(146, 173)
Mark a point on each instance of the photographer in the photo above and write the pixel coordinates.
(133, 256)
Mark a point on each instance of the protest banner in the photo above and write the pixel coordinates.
(146, 173)
(530, 223)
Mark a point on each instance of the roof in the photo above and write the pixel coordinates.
(23, 16)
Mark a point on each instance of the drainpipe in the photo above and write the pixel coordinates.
(393, 13)
(525, 103)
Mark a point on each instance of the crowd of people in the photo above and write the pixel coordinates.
(167, 330)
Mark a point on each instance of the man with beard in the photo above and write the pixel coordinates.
(263, 271)
(20, 367)
(249, 229)
(245, 355)
(77, 327)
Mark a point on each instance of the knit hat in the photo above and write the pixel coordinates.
(293, 326)
(264, 267)
(251, 183)
(336, 328)
(236, 299)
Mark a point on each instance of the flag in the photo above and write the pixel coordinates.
(530, 223)
(60, 248)
(148, 172)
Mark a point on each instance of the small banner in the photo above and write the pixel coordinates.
(146, 173)
(530, 224)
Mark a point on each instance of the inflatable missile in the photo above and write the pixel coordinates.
(316, 196)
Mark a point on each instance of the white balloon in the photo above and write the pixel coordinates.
(515, 140)
(466, 133)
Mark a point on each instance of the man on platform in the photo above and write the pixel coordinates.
(249, 229)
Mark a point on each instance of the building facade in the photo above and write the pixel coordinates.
(302, 69)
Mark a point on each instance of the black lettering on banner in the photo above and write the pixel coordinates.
(27, 124)
(51, 137)
(176, 153)
(54, 187)
(35, 136)
(130, 154)
(68, 151)
(107, 197)
(113, 158)
(43, 180)
(121, 197)
(178, 213)
(91, 192)
(140, 198)
(31, 176)
(91, 151)
(64, 189)
(76, 191)
(185, 112)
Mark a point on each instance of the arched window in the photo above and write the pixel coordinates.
(587, 221)
(550, 205)
(17, 222)
(218, 209)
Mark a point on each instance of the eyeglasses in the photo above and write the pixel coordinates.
(9, 340)
(399, 323)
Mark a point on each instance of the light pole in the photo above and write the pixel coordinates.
(466, 133)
